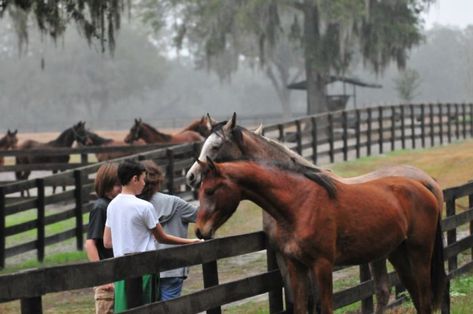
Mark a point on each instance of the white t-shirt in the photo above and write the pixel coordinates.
(131, 220)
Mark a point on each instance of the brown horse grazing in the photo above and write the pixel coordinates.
(93, 139)
(65, 139)
(229, 141)
(8, 141)
(147, 133)
(322, 222)
(202, 126)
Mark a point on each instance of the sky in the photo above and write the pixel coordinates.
(457, 13)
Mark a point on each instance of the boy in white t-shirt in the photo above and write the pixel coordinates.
(131, 225)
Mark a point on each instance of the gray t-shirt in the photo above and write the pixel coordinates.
(174, 214)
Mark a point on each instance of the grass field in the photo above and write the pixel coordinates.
(450, 165)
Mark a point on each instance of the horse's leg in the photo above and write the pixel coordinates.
(299, 276)
(54, 186)
(322, 272)
(402, 266)
(381, 281)
(420, 259)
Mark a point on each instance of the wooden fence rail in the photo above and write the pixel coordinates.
(30, 286)
(321, 138)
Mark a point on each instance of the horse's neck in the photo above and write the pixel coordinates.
(66, 138)
(272, 190)
(3, 142)
(98, 140)
(153, 135)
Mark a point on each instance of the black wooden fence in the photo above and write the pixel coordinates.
(328, 137)
(30, 286)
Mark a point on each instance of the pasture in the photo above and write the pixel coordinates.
(448, 164)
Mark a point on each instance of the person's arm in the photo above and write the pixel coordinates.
(187, 211)
(91, 250)
(107, 237)
(163, 237)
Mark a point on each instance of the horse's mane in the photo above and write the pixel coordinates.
(97, 139)
(164, 137)
(322, 179)
(61, 139)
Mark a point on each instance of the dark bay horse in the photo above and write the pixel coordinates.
(8, 141)
(229, 141)
(65, 139)
(322, 222)
(93, 139)
(150, 135)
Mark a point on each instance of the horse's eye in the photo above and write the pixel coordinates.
(215, 148)
(209, 192)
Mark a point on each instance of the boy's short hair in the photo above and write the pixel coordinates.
(128, 169)
(105, 178)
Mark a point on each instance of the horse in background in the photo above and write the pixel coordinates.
(8, 141)
(322, 222)
(93, 139)
(228, 141)
(144, 131)
(64, 140)
(202, 126)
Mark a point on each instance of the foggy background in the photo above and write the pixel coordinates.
(48, 86)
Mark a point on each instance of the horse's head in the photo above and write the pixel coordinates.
(79, 132)
(135, 132)
(10, 139)
(223, 144)
(87, 139)
(219, 197)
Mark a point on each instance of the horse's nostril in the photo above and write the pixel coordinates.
(198, 234)
(191, 177)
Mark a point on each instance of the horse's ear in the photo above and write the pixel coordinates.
(15, 132)
(259, 130)
(211, 121)
(230, 125)
(8, 132)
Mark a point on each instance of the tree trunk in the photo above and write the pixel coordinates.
(282, 91)
(316, 87)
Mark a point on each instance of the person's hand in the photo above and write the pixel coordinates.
(107, 287)
(197, 240)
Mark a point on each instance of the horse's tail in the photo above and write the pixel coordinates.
(437, 270)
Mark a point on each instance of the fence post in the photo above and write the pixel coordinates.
(314, 140)
(457, 122)
(134, 292)
(331, 138)
(367, 305)
(441, 122)
(170, 171)
(275, 296)
(471, 119)
(422, 124)
(345, 135)
(31, 305)
(281, 132)
(358, 133)
(413, 126)
(299, 137)
(403, 127)
(449, 122)
(451, 234)
(464, 119)
(393, 128)
(380, 129)
(432, 125)
(40, 226)
(2, 227)
(368, 147)
(78, 209)
(210, 274)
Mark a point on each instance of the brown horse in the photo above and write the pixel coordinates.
(8, 141)
(93, 139)
(65, 139)
(322, 222)
(229, 141)
(202, 126)
(147, 133)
